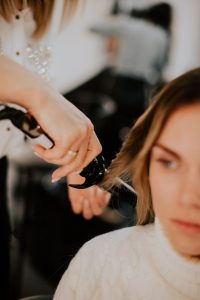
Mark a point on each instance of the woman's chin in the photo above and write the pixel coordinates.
(191, 253)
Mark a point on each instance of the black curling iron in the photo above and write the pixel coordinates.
(93, 173)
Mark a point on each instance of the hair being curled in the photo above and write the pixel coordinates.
(132, 162)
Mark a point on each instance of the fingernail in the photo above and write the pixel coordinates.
(38, 155)
(77, 209)
(55, 180)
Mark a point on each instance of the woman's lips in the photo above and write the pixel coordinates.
(187, 226)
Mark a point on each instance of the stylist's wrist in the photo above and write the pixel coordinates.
(35, 98)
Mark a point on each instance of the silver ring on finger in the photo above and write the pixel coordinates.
(72, 153)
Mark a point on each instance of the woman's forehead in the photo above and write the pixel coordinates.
(182, 128)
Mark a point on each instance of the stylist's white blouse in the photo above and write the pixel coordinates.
(16, 42)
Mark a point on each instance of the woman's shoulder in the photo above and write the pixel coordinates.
(99, 263)
(122, 239)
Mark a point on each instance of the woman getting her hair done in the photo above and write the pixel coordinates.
(159, 258)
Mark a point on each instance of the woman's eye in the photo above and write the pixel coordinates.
(170, 164)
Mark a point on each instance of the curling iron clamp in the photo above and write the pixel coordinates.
(93, 173)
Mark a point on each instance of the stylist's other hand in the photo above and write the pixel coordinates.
(89, 202)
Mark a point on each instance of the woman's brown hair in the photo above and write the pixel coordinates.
(42, 12)
(132, 162)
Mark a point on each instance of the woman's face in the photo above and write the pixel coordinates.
(175, 179)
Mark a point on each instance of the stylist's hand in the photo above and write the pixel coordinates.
(75, 142)
(89, 202)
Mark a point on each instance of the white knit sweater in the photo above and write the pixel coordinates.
(131, 263)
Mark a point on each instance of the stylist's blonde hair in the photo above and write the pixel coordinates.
(132, 162)
(42, 12)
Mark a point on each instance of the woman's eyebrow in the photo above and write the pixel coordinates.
(166, 149)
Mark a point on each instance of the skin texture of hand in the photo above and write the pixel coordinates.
(67, 126)
(70, 130)
(89, 202)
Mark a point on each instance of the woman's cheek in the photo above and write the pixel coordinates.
(163, 188)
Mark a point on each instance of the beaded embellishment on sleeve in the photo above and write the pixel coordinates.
(36, 58)
(39, 59)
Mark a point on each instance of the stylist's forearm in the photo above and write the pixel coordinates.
(18, 85)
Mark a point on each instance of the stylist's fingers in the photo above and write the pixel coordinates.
(84, 156)
(74, 159)
(75, 154)
(78, 131)
(75, 196)
(77, 204)
(68, 158)
(93, 200)
(59, 153)
(94, 149)
(98, 200)
(75, 164)
(87, 211)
